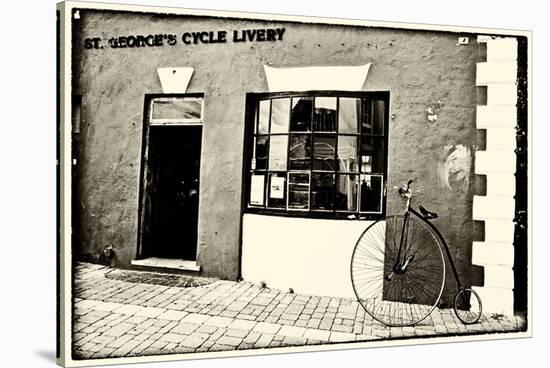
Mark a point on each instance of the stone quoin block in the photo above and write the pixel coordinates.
(498, 163)
(501, 49)
(493, 207)
(496, 72)
(500, 139)
(501, 184)
(499, 230)
(499, 276)
(496, 300)
(502, 94)
(496, 116)
(488, 162)
(493, 253)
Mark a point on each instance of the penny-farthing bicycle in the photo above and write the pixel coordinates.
(398, 269)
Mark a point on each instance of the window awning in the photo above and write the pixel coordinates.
(316, 78)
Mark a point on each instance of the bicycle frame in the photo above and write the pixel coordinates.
(411, 256)
(436, 231)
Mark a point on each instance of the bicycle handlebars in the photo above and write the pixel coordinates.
(405, 190)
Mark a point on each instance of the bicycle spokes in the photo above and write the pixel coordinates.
(398, 274)
(467, 306)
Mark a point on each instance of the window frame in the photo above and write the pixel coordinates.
(174, 97)
(251, 128)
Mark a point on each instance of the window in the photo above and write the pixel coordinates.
(176, 110)
(317, 153)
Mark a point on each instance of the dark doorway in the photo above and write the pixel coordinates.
(171, 192)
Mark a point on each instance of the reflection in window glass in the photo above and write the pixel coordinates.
(300, 152)
(278, 152)
(263, 117)
(371, 193)
(348, 115)
(372, 154)
(257, 190)
(366, 118)
(182, 108)
(260, 154)
(324, 117)
(298, 191)
(323, 152)
(280, 110)
(301, 114)
(276, 192)
(378, 112)
(322, 191)
(347, 153)
(366, 163)
(346, 192)
(373, 117)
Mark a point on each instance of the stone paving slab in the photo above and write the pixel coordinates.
(119, 316)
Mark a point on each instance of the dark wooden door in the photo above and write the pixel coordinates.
(172, 189)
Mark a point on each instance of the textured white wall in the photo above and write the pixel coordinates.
(312, 256)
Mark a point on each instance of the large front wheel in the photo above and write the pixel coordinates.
(398, 288)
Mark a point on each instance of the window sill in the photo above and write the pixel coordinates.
(327, 215)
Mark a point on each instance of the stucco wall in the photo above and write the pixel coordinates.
(422, 70)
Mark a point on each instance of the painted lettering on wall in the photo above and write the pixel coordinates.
(186, 38)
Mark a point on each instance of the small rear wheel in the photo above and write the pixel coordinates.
(467, 306)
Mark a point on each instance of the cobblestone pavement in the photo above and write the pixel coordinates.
(121, 316)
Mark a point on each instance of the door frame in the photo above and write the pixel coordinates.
(144, 158)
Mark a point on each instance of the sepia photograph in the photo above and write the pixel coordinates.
(243, 183)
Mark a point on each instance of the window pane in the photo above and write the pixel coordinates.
(259, 162)
(323, 152)
(276, 197)
(280, 111)
(318, 153)
(324, 117)
(346, 192)
(184, 108)
(300, 152)
(257, 190)
(301, 114)
(371, 193)
(263, 117)
(278, 152)
(347, 153)
(379, 110)
(366, 118)
(348, 121)
(373, 117)
(372, 155)
(298, 190)
(322, 191)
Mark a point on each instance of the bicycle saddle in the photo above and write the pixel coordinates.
(427, 214)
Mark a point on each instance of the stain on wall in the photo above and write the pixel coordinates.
(454, 167)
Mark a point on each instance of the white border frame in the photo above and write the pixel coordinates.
(66, 275)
